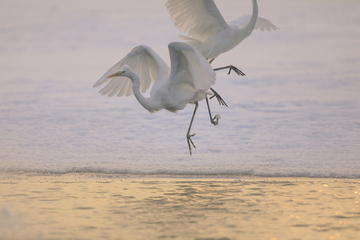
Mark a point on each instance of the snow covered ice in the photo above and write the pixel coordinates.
(296, 113)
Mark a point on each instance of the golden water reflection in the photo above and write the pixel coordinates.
(112, 207)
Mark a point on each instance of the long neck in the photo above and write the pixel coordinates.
(145, 102)
(249, 27)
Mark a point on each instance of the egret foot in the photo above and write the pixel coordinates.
(215, 120)
(218, 97)
(189, 140)
(235, 69)
(231, 67)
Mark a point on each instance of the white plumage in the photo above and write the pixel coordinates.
(206, 28)
(188, 80)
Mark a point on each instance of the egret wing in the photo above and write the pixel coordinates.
(261, 23)
(197, 18)
(188, 64)
(144, 61)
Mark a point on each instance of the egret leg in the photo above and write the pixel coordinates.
(188, 136)
(231, 67)
(213, 120)
(218, 97)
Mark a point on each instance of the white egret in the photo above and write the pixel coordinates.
(207, 30)
(188, 80)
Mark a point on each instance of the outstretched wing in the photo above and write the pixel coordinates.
(144, 61)
(261, 23)
(197, 18)
(188, 64)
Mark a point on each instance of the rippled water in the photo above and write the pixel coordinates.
(87, 206)
(295, 114)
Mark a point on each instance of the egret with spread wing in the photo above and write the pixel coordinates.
(188, 80)
(207, 30)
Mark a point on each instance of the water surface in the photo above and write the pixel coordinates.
(90, 206)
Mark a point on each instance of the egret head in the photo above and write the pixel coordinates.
(117, 74)
(124, 71)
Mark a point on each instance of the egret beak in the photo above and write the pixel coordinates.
(117, 74)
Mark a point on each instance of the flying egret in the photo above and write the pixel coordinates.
(188, 80)
(207, 30)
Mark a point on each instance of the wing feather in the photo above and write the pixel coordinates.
(197, 18)
(144, 61)
(185, 57)
(191, 41)
(108, 88)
